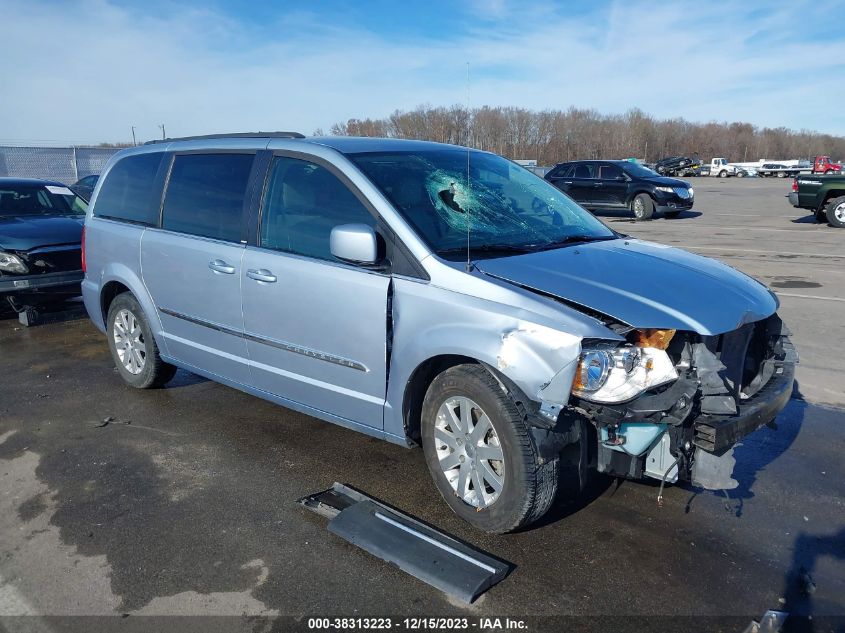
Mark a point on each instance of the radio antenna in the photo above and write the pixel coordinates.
(469, 186)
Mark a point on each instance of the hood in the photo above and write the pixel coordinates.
(669, 182)
(643, 284)
(23, 233)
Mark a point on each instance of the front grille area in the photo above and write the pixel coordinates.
(733, 367)
(52, 259)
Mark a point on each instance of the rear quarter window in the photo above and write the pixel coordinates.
(205, 195)
(127, 192)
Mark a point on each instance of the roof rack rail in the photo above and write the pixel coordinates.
(233, 135)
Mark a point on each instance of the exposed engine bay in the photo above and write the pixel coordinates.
(727, 386)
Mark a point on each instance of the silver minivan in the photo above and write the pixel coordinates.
(432, 295)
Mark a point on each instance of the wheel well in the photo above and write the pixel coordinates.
(830, 195)
(109, 292)
(417, 386)
(638, 192)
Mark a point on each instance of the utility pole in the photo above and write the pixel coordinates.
(163, 136)
(134, 142)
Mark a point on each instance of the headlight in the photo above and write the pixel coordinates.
(617, 375)
(12, 264)
(665, 189)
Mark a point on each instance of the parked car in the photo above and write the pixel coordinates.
(84, 187)
(432, 295)
(823, 195)
(40, 233)
(774, 169)
(611, 185)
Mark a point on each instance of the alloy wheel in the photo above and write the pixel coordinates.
(469, 452)
(129, 342)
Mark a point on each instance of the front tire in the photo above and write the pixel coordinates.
(723, 174)
(643, 207)
(133, 347)
(836, 212)
(479, 453)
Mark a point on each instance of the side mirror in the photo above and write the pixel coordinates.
(354, 243)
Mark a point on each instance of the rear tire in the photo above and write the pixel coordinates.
(836, 212)
(821, 215)
(469, 393)
(643, 207)
(781, 174)
(133, 347)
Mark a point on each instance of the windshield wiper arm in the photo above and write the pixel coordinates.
(575, 239)
(490, 248)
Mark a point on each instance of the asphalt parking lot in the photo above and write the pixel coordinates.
(184, 501)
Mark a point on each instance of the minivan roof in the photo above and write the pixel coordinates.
(342, 144)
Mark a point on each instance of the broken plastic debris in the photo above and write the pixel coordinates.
(712, 472)
(771, 622)
(416, 548)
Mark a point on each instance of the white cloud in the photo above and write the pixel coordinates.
(87, 70)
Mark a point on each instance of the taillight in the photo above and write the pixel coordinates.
(83, 250)
(795, 185)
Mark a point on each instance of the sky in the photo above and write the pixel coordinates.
(86, 71)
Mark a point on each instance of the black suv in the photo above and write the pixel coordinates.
(610, 185)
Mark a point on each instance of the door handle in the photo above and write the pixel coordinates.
(597, 184)
(219, 266)
(567, 182)
(262, 274)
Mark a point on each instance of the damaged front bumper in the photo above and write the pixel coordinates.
(46, 282)
(728, 387)
(717, 434)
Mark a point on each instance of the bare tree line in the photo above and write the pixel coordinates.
(552, 136)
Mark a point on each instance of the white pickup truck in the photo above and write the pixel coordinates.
(720, 167)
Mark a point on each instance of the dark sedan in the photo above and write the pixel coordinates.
(84, 187)
(40, 241)
(612, 185)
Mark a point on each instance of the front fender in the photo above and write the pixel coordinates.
(538, 359)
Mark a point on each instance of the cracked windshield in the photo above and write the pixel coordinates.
(507, 208)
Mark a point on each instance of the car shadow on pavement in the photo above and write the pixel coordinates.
(626, 216)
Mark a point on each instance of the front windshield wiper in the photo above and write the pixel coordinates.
(489, 248)
(575, 239)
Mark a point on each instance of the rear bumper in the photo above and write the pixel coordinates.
(717, 434)
(793, 198)
(65, 282)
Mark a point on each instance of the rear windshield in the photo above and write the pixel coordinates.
(18, 200)
(443, 192)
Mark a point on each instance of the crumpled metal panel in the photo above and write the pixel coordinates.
(643, 284)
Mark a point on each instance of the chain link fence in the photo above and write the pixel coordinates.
(65, 164)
